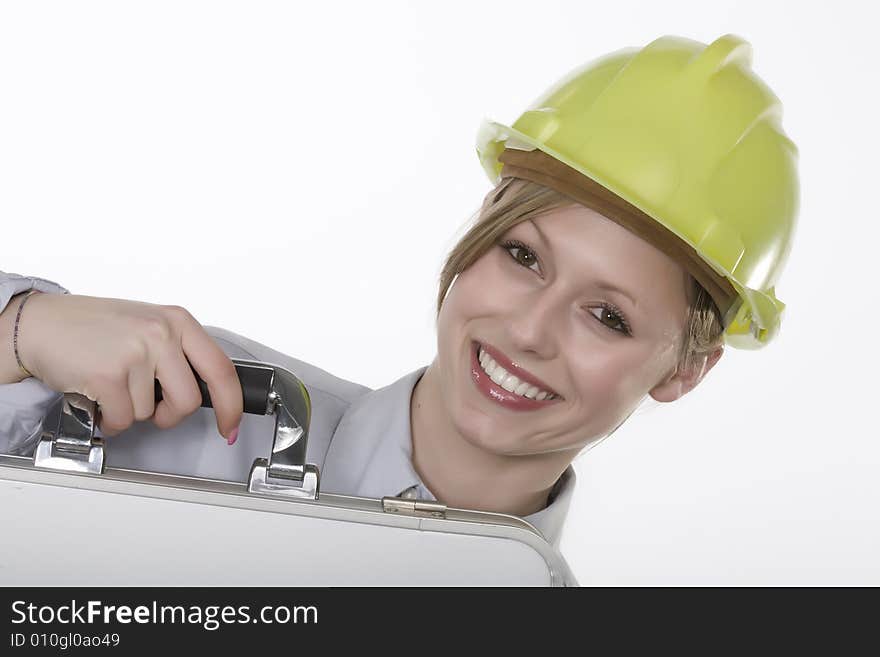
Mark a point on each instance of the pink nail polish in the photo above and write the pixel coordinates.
(232, 437)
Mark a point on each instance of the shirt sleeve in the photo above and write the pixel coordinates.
(23, 405)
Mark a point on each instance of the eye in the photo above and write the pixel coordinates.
(610, 312)
(522, 254)
(525, 256)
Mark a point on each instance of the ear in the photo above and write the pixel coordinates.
(680, 383)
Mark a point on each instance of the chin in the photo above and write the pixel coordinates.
(481, 431)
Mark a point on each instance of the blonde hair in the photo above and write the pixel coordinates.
(509, 204)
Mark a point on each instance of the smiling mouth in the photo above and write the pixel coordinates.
(507, 383)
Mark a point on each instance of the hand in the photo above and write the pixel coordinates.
(112, 350)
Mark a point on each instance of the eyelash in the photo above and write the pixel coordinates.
(608, 306)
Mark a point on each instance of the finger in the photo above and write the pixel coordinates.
(142, 389)
(115, 411)
(218, 372)
(180, 392)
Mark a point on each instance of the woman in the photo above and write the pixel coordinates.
(643, 210)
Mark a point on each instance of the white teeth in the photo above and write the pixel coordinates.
(510, 382)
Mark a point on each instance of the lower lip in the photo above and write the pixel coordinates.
(498, 394)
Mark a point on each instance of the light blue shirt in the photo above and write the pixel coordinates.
(359, 438)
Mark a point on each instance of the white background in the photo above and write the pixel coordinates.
(296, 172)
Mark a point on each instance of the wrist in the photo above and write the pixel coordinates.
(27, 299)
(17, 344)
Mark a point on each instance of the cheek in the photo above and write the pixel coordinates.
(459, 307)
(611, 382)
(477, 291)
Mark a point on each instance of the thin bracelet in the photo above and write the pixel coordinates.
(15, 332)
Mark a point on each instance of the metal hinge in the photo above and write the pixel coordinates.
(406, 507)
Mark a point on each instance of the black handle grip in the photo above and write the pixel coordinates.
(256, 384)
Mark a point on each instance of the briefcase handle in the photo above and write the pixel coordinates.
(266, 389)
(255, 386)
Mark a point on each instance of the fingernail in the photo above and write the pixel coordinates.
(232, 437)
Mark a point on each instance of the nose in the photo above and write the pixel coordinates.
(535, 324)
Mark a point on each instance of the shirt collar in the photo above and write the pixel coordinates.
(551, 519)
(370, 455)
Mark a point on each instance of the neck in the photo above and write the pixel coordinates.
(464, 475)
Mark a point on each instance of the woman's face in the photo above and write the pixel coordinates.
(548, 307)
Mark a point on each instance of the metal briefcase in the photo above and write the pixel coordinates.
(69, 520)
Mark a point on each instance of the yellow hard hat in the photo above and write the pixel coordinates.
(690, 137)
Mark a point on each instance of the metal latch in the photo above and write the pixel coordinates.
(407, 507)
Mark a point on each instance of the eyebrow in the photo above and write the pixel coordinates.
(604, 285)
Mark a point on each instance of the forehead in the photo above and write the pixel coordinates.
(588, 246)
